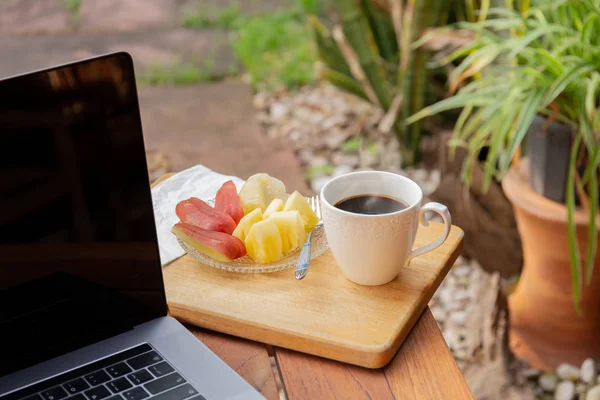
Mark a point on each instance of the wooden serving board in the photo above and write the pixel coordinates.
(324, 314)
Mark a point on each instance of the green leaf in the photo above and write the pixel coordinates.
(451, 103)
(351, 145)
(533, 35)
(526, 117)
(571, 228)
(318, 170)
(590, 96)
(592, 230)
(550, 62)
(587, 32)
(567, 77)
(506, 121)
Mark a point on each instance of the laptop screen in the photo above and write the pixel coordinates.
(78, 249)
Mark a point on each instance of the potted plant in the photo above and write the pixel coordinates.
(535, 74)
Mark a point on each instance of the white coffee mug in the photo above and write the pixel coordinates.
(370, 249)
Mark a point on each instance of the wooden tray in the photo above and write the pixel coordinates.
(324, 314)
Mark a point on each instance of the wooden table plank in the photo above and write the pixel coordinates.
(310, 377)
(424, 367)
(249, 359)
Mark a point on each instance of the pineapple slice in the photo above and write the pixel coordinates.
(291, 228)
(259, 190)
(275, 206)
(263, 242)
(296, 202)
(243, 227)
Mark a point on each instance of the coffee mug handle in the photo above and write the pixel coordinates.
(442, 210)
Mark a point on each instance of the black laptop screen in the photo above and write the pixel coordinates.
(78, 249)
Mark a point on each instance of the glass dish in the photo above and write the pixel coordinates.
(245, 265)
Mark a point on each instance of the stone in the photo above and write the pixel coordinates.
(260, 100)
(279, 111)
(548, 382)
(458, 317)
(580, 388)
(531, 373)
(340, 158)
(335, 138)
(564, 391)
(317, 183)
(318, 161)
(593, 393)
(588, 371)
(305, 156)
(568, 372)
(439, 313)
(462, 270)
(336, 120)
(341, 170)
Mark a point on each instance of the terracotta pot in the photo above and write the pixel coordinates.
(544, 326)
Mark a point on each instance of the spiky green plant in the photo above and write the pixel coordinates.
(366, 48)
(550, 66)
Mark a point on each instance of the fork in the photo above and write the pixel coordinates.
(304, 259)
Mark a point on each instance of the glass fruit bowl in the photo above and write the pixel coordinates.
(246, 265)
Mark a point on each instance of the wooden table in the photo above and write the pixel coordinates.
(423, 368)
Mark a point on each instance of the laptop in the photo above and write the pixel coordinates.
(83, 314)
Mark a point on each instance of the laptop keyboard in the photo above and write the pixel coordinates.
(135, 374)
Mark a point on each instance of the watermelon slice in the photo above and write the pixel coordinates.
(217, 245)
(195, 212)
(228, 201)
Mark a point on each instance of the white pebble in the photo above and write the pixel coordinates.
(568, 371)
(564, 391)
(593, 393)
(588, 371)
(341, 170)
(548, 382)
(461, 270)
(278, 111)
(459, 317)
(318, 183)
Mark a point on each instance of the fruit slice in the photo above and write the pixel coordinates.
(241, 231)
(228, 201)
(291, 229)
(259, 190)
(275, 206)
(217, 245)
(296, 202)
(263, 242)
(195, 212)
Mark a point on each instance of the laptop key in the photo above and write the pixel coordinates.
(115, 397)
(164, 383)
(98, 377)
(161, 369)
(179, 393)
(76, 386)
(135, 394)
(33, 397)
(118, 370)
(97, 393)
(139, 377)
(199, 397)
(118, 385)
(78, 396)
(144, 360)
(55, 393)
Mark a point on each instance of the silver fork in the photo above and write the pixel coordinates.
(304, 259)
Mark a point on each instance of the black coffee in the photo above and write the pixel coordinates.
(371, 204)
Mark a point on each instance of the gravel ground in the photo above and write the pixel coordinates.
(334, 133)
